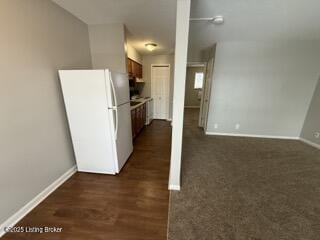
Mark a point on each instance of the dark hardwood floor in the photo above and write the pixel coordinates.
(132, 205)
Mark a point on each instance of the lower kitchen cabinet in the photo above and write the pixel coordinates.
(133, 122)
(144, 113)
(138, 119)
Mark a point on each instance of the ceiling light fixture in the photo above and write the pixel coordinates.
(151, 46)
(217, 20)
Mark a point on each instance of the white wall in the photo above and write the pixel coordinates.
(312, 121)
(37, 39)
(107, 44)
(147, 61)
(266, 87)
(198, 54)
(133, 54)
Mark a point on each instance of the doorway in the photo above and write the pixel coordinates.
(160, 89)
(195, 81)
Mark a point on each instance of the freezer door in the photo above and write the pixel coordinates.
(117, 85)
(122, 122)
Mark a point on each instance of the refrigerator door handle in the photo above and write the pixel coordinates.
(117, 124)
(113, 91)
(115, 108)
(117, 121)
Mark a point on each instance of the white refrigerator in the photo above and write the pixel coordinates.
(97, 103)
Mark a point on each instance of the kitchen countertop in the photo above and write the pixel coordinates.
(141, 100)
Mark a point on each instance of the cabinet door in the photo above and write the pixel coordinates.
(139, 71)
(144, 114)
(137, 127)
(140, 118)
(135, 69)
(129, 66)
(133, 122)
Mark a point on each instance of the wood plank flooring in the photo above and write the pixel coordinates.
(130, 206)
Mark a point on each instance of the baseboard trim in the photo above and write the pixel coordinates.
(310, 143)
(174, 187)
(15, 218)
(251, 135)
(191, 106)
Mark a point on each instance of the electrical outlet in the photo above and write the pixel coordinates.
(215, 126)
(317, 134)
(237, 126)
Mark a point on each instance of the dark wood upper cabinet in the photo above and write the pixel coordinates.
(129, 66)
(134, 68)
(139, 71)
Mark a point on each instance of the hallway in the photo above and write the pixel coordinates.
(130, 206)
(236, 188)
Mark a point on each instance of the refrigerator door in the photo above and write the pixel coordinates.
(90, 126)
(118, 83)
(121, 117)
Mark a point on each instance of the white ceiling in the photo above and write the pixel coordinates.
(146, 20)
(255, 20)
(245, 20)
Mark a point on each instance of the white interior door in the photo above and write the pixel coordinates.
(160, 88)
(206, 94)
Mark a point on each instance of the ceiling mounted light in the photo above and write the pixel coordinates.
(151, 46)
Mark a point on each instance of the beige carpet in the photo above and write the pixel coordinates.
(245, 189)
